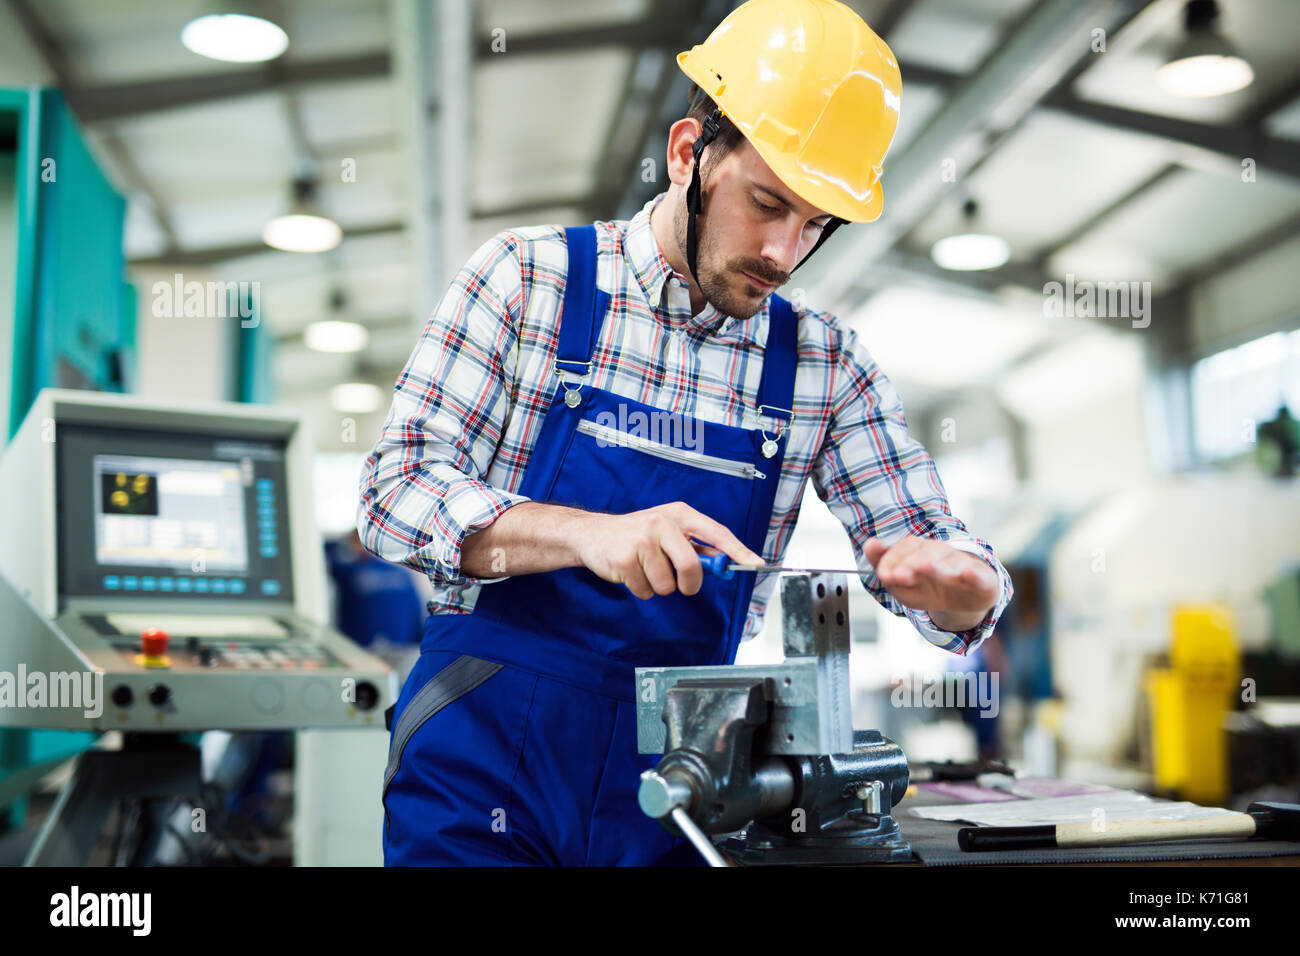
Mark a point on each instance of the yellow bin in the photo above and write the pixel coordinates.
(1188, 703)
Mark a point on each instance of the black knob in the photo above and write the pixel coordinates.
(206, 657)
(159, 695)
(367, 695)
(192, 645)
(122, 696)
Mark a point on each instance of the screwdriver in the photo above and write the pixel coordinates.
(721, 566)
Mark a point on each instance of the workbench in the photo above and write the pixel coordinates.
(934, 843)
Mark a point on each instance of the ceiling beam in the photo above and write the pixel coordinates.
(1232, 143)
(213, 255)
(123, 100)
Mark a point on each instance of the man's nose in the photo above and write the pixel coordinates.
(781, 247)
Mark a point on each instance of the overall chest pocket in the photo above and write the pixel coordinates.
(608, 436)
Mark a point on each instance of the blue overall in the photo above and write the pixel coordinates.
(514, 738)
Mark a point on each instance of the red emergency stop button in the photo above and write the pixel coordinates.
(153, 642)
(153, 649)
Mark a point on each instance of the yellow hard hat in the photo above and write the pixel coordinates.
(815, 92)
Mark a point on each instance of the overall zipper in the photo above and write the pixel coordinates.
(695, 459)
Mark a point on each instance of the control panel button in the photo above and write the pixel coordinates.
(153, 642)
(367, 695)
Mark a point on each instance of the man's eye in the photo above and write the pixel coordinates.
(761, 206)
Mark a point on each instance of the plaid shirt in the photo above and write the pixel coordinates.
(469, 406)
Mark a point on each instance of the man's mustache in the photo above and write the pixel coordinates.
(760, 271)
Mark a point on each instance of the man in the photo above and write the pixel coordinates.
(515, 467)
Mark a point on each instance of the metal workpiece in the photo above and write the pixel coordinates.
(815, 624)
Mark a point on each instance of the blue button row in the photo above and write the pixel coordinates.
(130, 582)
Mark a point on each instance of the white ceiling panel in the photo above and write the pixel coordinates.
(1046, 179)
(919, 104)
(326, 28)
(201, 223)
(531, 17)
(952, 34)
(1181, 222)
(944, 341)
(220, 150)
(345, 113)
(540, 124)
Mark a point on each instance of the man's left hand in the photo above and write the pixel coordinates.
(956, 588)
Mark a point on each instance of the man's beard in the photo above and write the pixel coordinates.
(715, 279)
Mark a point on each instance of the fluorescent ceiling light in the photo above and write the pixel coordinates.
(234, 37)
(300, 233)
(334, 335)
(359, 398)
(971, 251)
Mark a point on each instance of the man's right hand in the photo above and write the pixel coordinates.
(651, 551)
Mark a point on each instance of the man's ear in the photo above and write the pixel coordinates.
(681, 139)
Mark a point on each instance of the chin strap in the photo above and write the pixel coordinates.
(831, 225)
(708, 133)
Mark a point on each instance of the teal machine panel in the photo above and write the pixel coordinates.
(67, 318)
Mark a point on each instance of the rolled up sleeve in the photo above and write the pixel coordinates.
(880, 482)
(422, 486)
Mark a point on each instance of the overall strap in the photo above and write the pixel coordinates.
(584, 305)
(776, 390)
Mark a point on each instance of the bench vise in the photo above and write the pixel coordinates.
(767, 753)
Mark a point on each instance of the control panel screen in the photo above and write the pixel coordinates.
(159, 512)
(147, 514)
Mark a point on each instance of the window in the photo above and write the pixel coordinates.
(1235, 390)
